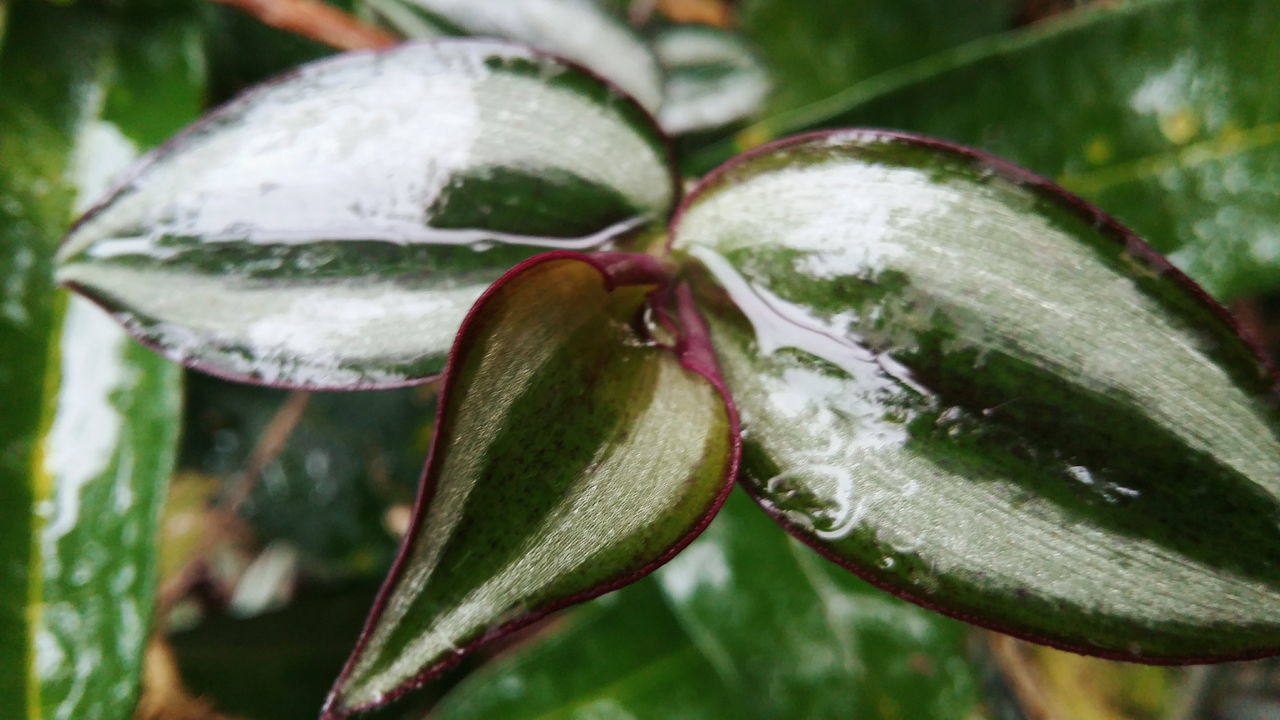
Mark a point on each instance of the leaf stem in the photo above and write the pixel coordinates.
(318, 21)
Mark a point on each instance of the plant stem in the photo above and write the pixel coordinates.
(318, 21)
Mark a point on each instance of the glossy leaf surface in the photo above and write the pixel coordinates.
(745, 623)
(90, 419)
(1168, 117)
(582, 31)
(713, 79)
(978, 392)
(572, 455)
(331, 229)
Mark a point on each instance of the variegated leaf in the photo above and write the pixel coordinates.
(982, 394)
(574, 453)
(90, 420)
(331, 228)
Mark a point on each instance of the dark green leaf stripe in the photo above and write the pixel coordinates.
(578, 30)
(571, 456)
(1168, 117)
(90, 419)
(330, 229)
(982, 394)
(713, 79)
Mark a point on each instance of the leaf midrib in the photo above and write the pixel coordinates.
(1225, 144)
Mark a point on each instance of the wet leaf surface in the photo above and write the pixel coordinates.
(90, 420)
(745, 623)
(985, 396)
(266, 246)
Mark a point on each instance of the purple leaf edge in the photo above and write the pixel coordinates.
(175, 143)
(1109, 228)
(694, 353)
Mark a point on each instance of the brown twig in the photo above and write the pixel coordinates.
(273, 439)
(318, 21)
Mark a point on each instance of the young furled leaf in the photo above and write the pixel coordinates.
(574, 453)
(978, 392)
(331, 228)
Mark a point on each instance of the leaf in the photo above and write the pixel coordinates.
(1167, 117)
(330, 229)
(761, 629)
(794, 636)
(578, 30)
(980, 393)
(815, 48)
(622, 656)
(713, 79)
(572, 455)
(90, 420)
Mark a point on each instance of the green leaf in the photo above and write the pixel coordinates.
(761, 629)
(713, 78)
(90, 419)
(794, 636)
(578, 30)
(816, 47)
(573, 454)
(622, 656)
(1167, 116)
(331, 229)
(980, 393)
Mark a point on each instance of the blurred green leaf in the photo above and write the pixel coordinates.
(969, 387)
(814, 48)
(795, 636)
(1166, 115)
(571, 457)
(90, 420)
(623, 656)
(753, 626)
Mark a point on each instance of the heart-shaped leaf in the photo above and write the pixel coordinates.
(90, 419)
(331, 229)
(980, 393)
(574, 453)
(578, 30)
